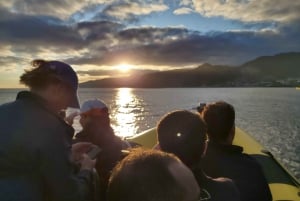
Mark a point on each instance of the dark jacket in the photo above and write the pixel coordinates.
(216, 189)
(229, 161)
(35, 149)
(110, 155)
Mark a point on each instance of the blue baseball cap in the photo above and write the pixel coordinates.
(68, 76)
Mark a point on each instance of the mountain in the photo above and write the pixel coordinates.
(279, 70)
(281, 66)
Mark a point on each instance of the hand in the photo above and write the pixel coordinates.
(78, 149)
(87, 163)
(70, 118)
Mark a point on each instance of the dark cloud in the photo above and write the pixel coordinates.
(19, 29)
(108, 42)
(178, 47)
(152, 35)
(98, 30)
(59, 8)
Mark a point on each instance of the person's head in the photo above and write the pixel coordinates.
(55, 81)
(220, 117)
(94, 110)
(183, 133)
(152, 175)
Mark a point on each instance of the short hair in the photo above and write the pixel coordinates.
(144, 175)
(45, 72)
(183, 133)
(219, 117)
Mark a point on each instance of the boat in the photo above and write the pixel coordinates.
(297, 88)
(283, 185)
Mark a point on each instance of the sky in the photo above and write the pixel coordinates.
(98, 38)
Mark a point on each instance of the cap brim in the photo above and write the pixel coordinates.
(74, 102)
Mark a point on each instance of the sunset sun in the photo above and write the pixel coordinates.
(124, 67)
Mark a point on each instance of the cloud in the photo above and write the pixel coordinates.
(91, 31)
(127, 41)
(130, 11)
(180, 47)
(59, 8)
(107, 41)
(182, 11)
(250, 11)
(20, 29)
(185, 3)
(29, 37)
(151, 35)
(127, 10)
(11, 63)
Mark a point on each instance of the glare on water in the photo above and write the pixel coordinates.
(125, 123)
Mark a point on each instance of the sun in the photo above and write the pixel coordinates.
(124, 67)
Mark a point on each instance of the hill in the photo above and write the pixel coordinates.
(279, 70)
(281, 66)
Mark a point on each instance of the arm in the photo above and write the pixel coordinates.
(59, 180)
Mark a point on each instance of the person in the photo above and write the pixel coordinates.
(152, 175)
(96, 128)
(183, 133)
(37, 158)
(228, 160)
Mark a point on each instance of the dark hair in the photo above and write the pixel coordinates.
(39, 77)
(144, 175)
(219, 117)
(183, 133)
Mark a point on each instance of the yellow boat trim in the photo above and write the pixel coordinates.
(250, 145)
(284, 192)
(283, 185)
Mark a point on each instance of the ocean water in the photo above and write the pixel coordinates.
(270, 115)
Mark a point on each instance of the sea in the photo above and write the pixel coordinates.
(270, 115)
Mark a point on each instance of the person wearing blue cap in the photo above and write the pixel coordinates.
(36, 151)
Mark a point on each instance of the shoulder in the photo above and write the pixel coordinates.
(223, 188)
(250, 163)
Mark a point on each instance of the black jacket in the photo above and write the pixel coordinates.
(35, 149)
(111, 146)
(215, 189)
(229, 161)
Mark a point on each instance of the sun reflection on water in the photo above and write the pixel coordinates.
(125, 112)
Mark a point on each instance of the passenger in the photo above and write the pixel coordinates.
(152, 175)
(35, 143)
(183, 133)
(96, 128)
(224, 159)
